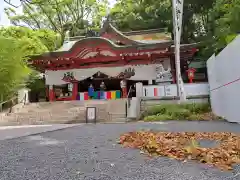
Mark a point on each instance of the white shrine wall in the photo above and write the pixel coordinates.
(191, 89)
(142, 72)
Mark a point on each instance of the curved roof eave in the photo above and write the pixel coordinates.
(113, 45)
(136, 42)
(183, 46)
(73, 44)
(124, 36)
(107, 25)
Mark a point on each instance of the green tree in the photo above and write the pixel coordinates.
(225, 17)
(150, 14)
(35, 82)
(143, 14)
(33, 41)
(59, 15)
(13, 69)
(29, 42)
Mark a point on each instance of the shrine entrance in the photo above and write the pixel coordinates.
(112, 88)
(112, 85)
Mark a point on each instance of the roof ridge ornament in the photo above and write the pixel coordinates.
(69, 77)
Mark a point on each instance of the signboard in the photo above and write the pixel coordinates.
(171, 91)
(91, 115)
(163, 75)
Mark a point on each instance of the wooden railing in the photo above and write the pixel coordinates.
(8, 105)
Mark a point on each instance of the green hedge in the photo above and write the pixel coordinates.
(197, 111)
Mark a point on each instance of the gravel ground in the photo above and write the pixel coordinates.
(90, 152)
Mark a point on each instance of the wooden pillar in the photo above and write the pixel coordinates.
(173, 69)
(47, 93)
(75, 90)
(51, 93)
(124, 92)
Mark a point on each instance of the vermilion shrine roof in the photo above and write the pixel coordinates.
(114, 45)
(122, 40)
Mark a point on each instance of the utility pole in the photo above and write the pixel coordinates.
(177, 9)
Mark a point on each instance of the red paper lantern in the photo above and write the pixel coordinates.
(191, 73)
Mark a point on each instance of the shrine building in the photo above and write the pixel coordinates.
(145, 56)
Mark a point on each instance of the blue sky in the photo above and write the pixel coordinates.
(3, 18)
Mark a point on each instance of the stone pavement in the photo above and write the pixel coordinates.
(90, 152)
(10, 132)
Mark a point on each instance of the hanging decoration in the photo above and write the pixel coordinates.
(191, 74)
(163, 75)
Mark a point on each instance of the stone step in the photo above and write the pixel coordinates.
(46, 116)
(67, 112)
(119, 115)
(119, 120)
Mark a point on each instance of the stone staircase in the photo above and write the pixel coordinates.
(117, 110)
(66, 112)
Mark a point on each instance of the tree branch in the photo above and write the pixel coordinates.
(50, 19)
(9, 3)
(58, 15)
(33, 18)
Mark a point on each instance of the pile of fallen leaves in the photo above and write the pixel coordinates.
(184, 146)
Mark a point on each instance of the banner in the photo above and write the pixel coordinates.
(177, 24)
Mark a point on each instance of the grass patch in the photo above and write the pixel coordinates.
(160, 117)
(196, 111)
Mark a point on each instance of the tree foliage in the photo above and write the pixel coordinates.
(32, 41)
(215, 22)
(143, 14)
(60, 15)
(150, 14)
(13, 69)
(17, 45)
(225, 17)
(35, 82)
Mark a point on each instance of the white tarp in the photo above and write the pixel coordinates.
(142, 72)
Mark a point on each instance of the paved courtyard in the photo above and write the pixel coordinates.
(90, 152)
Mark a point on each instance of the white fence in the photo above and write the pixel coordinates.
(224, 81)
(193, 89)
